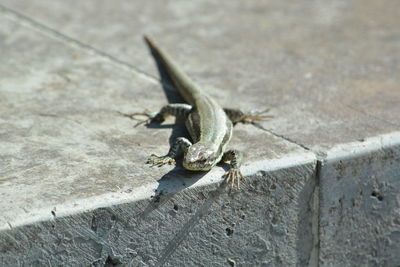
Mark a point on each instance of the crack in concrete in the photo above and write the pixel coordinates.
(46, 30)
(320, 158)
(259, 126)
(371, 116)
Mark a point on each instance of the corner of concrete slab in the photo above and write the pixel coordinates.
(359, 203)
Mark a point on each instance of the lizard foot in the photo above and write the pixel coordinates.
(233, 177)
(256, 116)
(159, 161)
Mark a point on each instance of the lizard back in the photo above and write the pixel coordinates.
(208, 122)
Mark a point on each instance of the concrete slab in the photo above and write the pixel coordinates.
(75, 189)
(328, 71)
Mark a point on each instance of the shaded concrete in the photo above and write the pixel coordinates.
(265, 224)
(360, 205)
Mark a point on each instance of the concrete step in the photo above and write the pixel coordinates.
(322, 176)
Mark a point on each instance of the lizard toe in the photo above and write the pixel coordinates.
(159, 161)
(233, 177)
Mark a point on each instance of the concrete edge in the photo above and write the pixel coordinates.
(149, 190)
(367, 145)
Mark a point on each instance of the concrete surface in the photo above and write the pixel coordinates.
(328, 71)
(336, 64)
(65, 150)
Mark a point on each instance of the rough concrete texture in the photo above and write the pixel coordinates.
(266, 224)
(66, 152)
(328, 71)
(360, 204)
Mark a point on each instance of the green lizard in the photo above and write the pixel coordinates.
(209, 125)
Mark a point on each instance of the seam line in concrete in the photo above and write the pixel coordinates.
(320, 158)
(42, 28)
(259, 126)
(370, 115)
(317, 216)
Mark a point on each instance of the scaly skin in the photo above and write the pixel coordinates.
(209, 125)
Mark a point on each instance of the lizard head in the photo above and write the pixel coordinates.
(200, 157)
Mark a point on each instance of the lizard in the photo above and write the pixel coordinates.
(209, 125)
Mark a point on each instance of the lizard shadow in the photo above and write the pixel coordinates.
(172, 183)
(178, 128)
(178, 178)
(168, 186)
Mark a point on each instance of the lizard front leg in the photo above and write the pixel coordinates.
(233, 176)
(180, 144)
(178, 110)
(236, 115)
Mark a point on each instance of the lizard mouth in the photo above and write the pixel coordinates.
(195, 166)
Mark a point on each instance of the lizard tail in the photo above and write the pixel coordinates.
(185, 86)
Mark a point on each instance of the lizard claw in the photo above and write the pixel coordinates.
(233, 177)
(159, 161)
